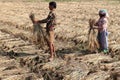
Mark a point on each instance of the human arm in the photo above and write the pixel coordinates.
(102, 24)
(32, 17)
(95, 25)
(42, 21)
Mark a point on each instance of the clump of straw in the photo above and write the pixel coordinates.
(39, 36)
(92, 36)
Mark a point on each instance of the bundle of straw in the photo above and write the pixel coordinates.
(39, 36)
(93, 44)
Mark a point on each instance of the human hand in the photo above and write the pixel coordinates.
(32, 16)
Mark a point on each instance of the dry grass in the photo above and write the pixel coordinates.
(72, 21)
(92, 36)
(39, 36)
(72, 26)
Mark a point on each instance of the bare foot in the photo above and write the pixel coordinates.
(51, 59)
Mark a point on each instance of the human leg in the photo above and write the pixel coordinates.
(99, 41)
(51, 44)
(104, 41)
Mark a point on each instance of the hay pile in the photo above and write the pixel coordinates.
(92, 36)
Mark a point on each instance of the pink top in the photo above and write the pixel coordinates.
(102, 24)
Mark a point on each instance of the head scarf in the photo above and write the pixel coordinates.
(104, 11)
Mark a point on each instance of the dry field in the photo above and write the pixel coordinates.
(21, 59)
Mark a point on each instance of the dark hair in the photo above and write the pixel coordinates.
(53, 3)
(102, 15)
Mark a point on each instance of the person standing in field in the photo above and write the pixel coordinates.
(102, 25)
(50, 27)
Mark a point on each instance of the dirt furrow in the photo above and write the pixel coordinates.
(24, 60)
(10, 68)
(23, 53)
(20, 59)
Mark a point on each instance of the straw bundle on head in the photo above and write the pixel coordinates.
(92, 36)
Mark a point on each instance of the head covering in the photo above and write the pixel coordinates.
(104, 11)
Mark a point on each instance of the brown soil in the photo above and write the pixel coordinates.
(21, 59)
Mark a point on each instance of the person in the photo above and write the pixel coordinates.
(50, 27)
(102, 25)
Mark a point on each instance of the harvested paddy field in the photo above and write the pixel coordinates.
(22, 59)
